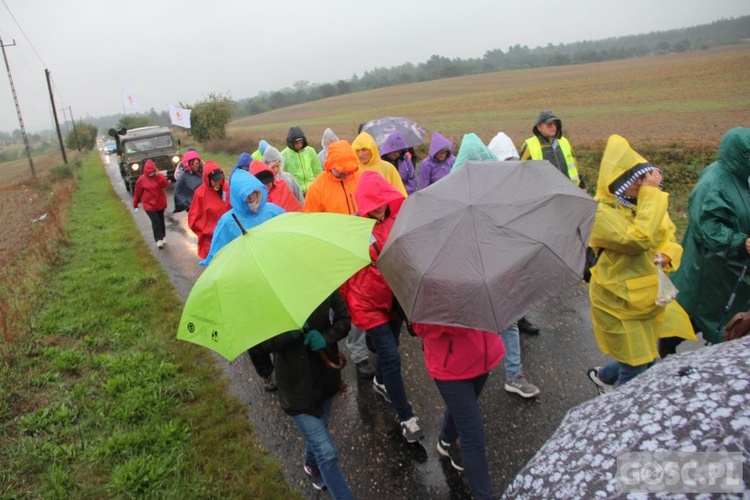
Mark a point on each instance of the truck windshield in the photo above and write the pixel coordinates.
(147, 144)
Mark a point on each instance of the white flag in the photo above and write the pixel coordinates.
(179, 116)
(129, 100)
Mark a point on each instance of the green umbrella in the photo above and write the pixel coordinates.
(269, 280)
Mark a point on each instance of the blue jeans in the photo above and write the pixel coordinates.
(388, 370)
(463, 421)
(355, 342)
(320, 450)
(512, 359)
(618, 373)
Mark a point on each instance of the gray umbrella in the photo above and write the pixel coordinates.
(694, 405)
(481, 246)
(413, 133)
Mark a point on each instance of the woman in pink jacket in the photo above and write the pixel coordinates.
(149, 190)
(459, 361)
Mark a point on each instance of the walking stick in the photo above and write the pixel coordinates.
(731, 298)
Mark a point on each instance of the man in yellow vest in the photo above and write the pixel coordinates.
(548, 143)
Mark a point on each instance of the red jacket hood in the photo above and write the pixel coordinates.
(373, 191)
(149, 167)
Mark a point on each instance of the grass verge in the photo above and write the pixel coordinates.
(97, 398)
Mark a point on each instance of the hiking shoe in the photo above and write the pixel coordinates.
(453, 452)
(380, 389)
(365, 369)
(411, 430)
(601, 387)
(527, 327)
(268, 384)
(315, 476)
(519, 385)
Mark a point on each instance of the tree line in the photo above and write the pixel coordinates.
(701, 37)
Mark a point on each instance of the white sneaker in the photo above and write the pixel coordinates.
(160, 244)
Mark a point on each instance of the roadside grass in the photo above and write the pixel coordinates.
(98, 398)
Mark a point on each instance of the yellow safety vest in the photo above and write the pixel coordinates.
(535, 153)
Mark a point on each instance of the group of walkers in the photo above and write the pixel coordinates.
(633, 239)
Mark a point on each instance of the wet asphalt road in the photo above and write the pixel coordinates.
(376, 460)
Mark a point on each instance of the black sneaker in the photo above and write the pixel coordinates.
(268, 384)
(601, 387)
(527, 327)
(315, 476)
(451, 452)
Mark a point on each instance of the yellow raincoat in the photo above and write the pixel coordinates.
(624, 283)
(388, 171)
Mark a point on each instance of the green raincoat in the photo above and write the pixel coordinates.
(719, 210)
(624, 283)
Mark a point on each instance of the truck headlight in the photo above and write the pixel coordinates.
(134, 167)
(175, 159)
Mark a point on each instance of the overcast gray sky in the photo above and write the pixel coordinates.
(168, 51)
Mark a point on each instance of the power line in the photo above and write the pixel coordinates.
(24, 34)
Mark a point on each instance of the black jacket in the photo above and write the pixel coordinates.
(304, 381)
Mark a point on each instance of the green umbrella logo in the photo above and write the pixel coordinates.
(215, 336)
(191, 327)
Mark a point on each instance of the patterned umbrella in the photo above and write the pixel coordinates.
(413, 133)
(693, 402)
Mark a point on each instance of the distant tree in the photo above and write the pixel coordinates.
(343, 87)
(83, 136)
(132, 121)
(209, 117)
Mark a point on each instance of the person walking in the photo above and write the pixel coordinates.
(300, 159)
(371, 301)
(333, 191)
(438, 163)
(258, 153)
(632, 234)
(210, 202)
(366, 149)
(250, 205)
(548, 143)
(395, 151)
(459, 360)
(307, 387)
(278, 191)
(328, 138)
(188, 181)
(272, 157)
(149, 190)
(717, 241)
(473, 149)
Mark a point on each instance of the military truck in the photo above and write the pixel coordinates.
(137, 145)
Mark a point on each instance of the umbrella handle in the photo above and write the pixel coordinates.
(330, 364)
(732, 296)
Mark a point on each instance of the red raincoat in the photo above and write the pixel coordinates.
(207, 206)
(278, 190)
(367, 294)
(150, 190)
(457, 353)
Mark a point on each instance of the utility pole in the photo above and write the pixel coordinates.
(54, 112)
(75, 131)
(18, 108)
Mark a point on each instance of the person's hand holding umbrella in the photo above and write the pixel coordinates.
(314, 340)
